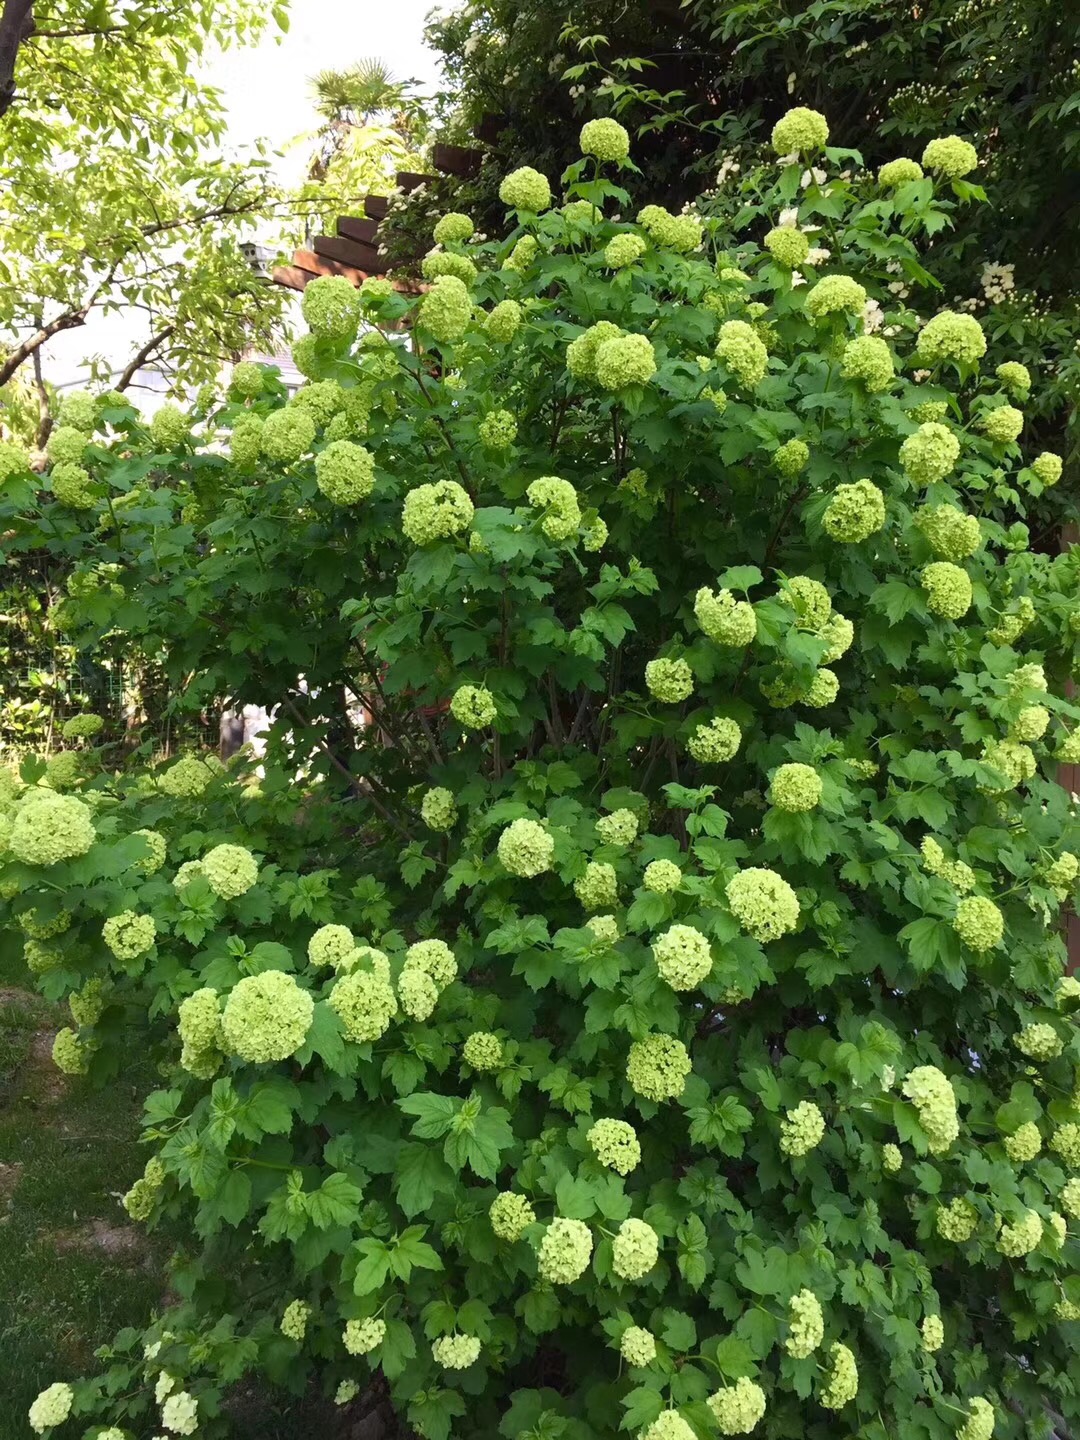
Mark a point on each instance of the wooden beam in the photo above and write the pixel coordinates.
(355, 228)
(293, 277)
(308, 260)
(376, 206)
(350, 252)
(409, 180)
(456, 160)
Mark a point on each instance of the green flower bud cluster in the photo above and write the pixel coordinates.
(891, 1158)
(618, 828)
(835, 295)
(510, 1215)
(764, 904)
(345, 472)
(742, 351)
(438, 810)
(1030, 724)
(605, 928)
(294, 1321)
(1014, 760)
(1024, 1143)
(266, 1017)
(1067, 992)
(669, 681)
(434, 958)
(287, 434)
(952, 157)
(503, 321)
(360, 1337)
(949, 532)
(365, 1004)
(1012, 625)
(810, 601)
(331, 945)
(526, 849)
(247, 379)
(800, 129)
(483, 1051)
(980, 1422)
(455, 1352)
(565, 1251)
(668, 1425)
(802, 1129)
(957, 1220)
(714, 742)
(683, 954)
(581, 353)
(806, 1325)
(788, 247)
(66, 445)
(795, 788)
(199, 1025)
(623, 251)
(1002, 424)
(1065, 1141)
(1070, 1198)
(69, 1054)
(418, 994)
(869, 359)
(64, 770)
(49, 828)
(955, 872)
(948, 589)
(230, 870)
(79, 410)
(52, 1407)
(791, 458)
(615, 1144)
(681, 233)
(657, 1067)
(662, 877)
(245, 441)
(1020, 1239)
(14, 460)
(522, 255)
(448, 262)
(453, 229)
(606, 139)
(625, 360)
(559, 502)
(951, 336)
(635, 1249)
(169, 427)
(930, 453)
(1061, 873)
(446, 309)
(525, 189)
(1039, 1042)
(346, 1392)
(129, 935)
(933, 1334)
(473, 707)
(498, 430)
(322, 399)
(637, 1346)
(86, 1005)
(72, 486)
(598, 887)
(842, 1384)
(436, 512)
(935, 1101)
(899, 172)
(158, 852)
(738, 1408)
(723, 618)
(855, 512)
(331, 307)
(1047, 467)
(1015, 377)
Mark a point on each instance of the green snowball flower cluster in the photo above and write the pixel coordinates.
(525, 189)
(140, 1200)
(662, 877)
(446, 309)
(345, 472)
(1015, 761)
(605, 928)
(791, 458)
(869, 359)
(683, 955)
(1015, 1241)
(66, 445)
(1039, 1042)
(806, 1325)
(1027, 677)
(1070, 1198)
(955, 872)
(247, 379)
(39, 929)
(1065, 1141)
(331, 945)
(82, 727)
(581, 353)
(668, 1425)
(951, 336)
(322, 399)
(950, 156)
(79, 410)
(503, 321)
(738, 1408)
(980, 1422)
(473, 707)
(788, 247)
(287, 434)
(935, 1102)
(618, 828)
(764, 904)
(637, 1346)
(1015, 377)
(64, 770)
(230, 870)
(88, 1003)
(899, 172)
(448, 262)
(52, 1407)
(72, 486)
(795, 787)
(933, 1334)
(681, 233)
(510, 1215)
(949, 532)
(1002, 424)
(129, 935)
(623, 251)
(294, 1321)
(625, 360)
(199, 1026)
(14, 460)
(436, 512)
(434, 958)
(365, 1004)
(835, 295)
(453, 229)
(455, 1352)
(331, 307)
(169, 427)
(1024, 1143)
(266, 1017)
(606, 139)
(1067, 992)
(657, 1067)
(742, 351)
(635, 1249)
(1047, 467)
(245, 441)
(498, 430)
(483, 1051)
(559, 502)
(891, 1158)
(1030, 724)
(49, 828)
(418, 994)
(522, 255)
(565, 1251)
(842, 1384)
(855, 512)
(714, 742)
(598, 887)
(526, 849)
(809, 599)
(69, 1055)
(723, 618)
(669, 681)
(438, 810)
(930, 453)
(615, 1145)
(948, 589)
(1061, 873)
(802, 1129)
(957, 1220)
(360, 1337)
(800, 129)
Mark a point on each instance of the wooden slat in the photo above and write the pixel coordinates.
(491, 127)
(353, 227)
(349, 252)
(308, 260)
(376, 206)
(456, 160)
(408, 180)
(293, 277)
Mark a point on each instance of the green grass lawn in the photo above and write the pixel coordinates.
(73, 1269)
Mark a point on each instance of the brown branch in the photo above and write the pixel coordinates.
(45, 423)
(16, 25)
(67, 321)
(139, 359)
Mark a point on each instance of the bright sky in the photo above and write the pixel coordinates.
(266, 95)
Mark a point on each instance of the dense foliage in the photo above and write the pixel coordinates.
(650, 1015)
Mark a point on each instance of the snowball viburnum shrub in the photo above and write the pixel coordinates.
(642, 931)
